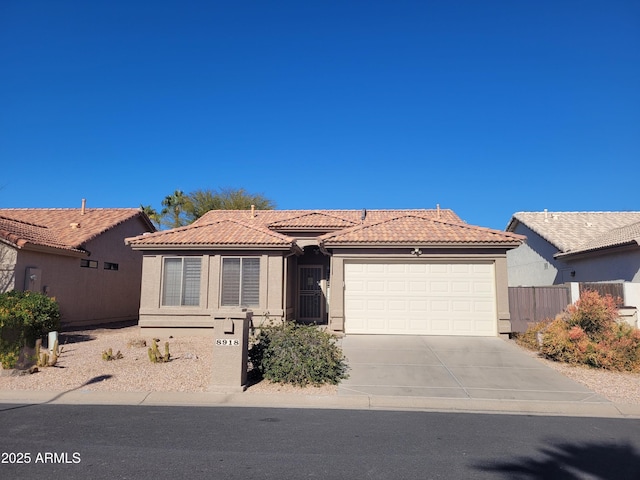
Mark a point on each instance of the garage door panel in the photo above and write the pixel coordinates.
(420, 299)
(375, 286)
(438, 287)
(461, 287)
(418, 287)
(461, 269)
(437, 268)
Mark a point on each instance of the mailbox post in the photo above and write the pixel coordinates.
(230, 352)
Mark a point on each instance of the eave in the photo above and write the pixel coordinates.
(33, 247)
(625, 247)
(209, 247)
(418, 244)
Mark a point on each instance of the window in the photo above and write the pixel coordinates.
(241, 282)
(181, 282)
(110, 266)
(84, 263)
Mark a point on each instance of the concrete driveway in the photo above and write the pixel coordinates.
(454, 368)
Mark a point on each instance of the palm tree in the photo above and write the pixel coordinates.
(172, 215)
(153, 214)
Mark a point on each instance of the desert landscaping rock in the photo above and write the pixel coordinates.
(81, 367)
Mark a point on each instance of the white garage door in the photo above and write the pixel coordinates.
(420, 299)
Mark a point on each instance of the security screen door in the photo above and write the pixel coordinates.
(310, 295)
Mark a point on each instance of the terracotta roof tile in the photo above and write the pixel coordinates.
(312, 220)
(420, 230)
(269, 217)
(238, 228)
(67, 229)
(226, 232)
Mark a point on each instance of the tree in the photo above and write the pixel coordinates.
(153, 214)
(200, 202)
(173, 213)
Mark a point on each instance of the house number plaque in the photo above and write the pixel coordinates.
(228, 342)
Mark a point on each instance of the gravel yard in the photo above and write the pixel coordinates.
(81, 366)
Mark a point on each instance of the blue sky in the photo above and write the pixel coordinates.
(484, 107)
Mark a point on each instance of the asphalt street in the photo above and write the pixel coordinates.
(152, 442)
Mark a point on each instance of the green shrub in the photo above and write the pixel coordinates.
(298, 354)
(24, 317)
(9, 357)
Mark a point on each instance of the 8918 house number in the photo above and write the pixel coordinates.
(231, 342)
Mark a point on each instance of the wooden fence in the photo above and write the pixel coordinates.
(616, 290)
(534, 304)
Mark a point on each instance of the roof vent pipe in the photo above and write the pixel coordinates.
(84, 206)
(437, 210)
(546, 217)
(253, 211)
(363, 215)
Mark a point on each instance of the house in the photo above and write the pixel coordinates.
(413, 272)
(566, 247)
(77, 256)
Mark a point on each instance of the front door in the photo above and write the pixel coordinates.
(310, 294)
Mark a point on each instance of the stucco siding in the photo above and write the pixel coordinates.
(154, 315)
(90, 296)
(602, 266)
(532, 263)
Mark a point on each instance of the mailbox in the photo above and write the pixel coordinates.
(230, 351)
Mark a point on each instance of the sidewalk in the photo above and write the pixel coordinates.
(356, 402)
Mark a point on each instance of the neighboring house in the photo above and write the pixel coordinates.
(77, 256)
(566, 247)
(417, 272)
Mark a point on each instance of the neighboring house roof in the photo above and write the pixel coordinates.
(61, 228)
(618, 237)
(580, 232)
(226, 228)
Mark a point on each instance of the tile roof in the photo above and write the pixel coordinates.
(331, 217)
(571, 232)
(312, 220)
(225, 228)
(60, 228)
(419, 230)
(627, 235)
(225, 232)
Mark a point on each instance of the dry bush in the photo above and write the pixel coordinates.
(588, 333)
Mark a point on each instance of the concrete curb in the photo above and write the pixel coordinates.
(355, 402)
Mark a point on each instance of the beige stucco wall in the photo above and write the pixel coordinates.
(336, 307)
(153, 315)
(89, 296)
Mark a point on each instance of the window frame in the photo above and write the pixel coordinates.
(183, 296)
(243, 296)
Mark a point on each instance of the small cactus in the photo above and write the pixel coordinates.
(108, 355)
(154, 352)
